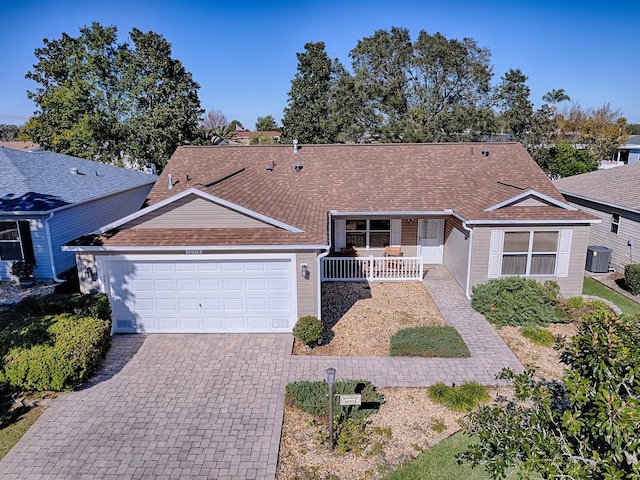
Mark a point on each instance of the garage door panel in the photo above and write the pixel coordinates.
(232, 285)
(210, 285)
(257, 304)
(256, 285)
(164, 285)
(202, 296)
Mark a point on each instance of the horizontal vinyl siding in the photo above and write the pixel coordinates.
(569, 286)
(600, 233)
(74, 222)
(193, 211)
(409, 238)
(307, 289)
(456, 250)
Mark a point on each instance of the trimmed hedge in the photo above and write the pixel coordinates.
(312, 397)
(53, 352)
(435, 341)
(632, 278)
(308, 330)
(517, 301)
(54, 342)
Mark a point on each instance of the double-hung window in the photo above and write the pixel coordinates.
(529, 253)
(372, 233)
(10, 246)
(615, 223)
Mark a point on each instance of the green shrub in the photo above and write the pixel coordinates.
(53, 352)
(94, 305)
(539, 336)
(311, 397)
(632, 278)
(462, 398)
(434, 341)
(575, 303)
(517, 301)
(308, 330)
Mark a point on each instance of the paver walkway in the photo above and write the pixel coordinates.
(489, 353)
(211, 406)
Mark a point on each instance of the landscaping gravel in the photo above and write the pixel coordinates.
(11, 293)
(360, 318)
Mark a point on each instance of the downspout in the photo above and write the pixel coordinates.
(47, 230)
(468, 286)
(319, 267)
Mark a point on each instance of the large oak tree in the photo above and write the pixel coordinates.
(120, 103)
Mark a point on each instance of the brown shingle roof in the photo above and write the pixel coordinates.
(617, 185)
(365, 178)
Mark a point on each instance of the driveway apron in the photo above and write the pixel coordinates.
(165, 407)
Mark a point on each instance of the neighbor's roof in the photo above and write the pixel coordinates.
(41, 181)
(23, 146)
(633, 142)
(614, 186)
(348, 178)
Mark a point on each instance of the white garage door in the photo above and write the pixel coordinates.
(202, 296)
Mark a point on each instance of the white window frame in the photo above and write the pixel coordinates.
(367, 231)
(530, 254)
(615, 222)
(563, 253)
(18, 240)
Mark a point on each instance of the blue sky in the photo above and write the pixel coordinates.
(243, 53)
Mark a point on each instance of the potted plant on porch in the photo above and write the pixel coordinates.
(24, 271)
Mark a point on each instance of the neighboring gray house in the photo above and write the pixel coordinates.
(613, 196)
(48, 199)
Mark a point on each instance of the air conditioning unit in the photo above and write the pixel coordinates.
(598, 259)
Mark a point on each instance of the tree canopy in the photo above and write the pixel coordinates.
(266, 124)
(120, 103)
(583, 427)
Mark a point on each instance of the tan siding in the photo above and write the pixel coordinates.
(569, 286)
(307, 289)
(84, 261)
(193, 211)
(531, 202)
(409, 238)
(456, 250)
(628, 230)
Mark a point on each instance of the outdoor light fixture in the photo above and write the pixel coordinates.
(330, 379)
(304, 271)
(90, 274)
(410, 220)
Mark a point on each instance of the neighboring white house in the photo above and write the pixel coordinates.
(47, 199)
(627, 153)
(613, 196)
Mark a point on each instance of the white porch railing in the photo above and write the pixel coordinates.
(348, 269)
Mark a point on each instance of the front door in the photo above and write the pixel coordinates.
(430, 239)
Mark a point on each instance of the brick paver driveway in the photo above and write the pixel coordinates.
(164, 407)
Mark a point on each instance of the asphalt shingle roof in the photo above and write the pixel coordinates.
(350, 178)
(616, 186)
(42, 181)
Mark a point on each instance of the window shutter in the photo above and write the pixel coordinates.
(340, 234)
(564, 251)
(27, 243)
(396, 231)
(495, 253)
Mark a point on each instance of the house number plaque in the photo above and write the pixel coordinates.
(354, 399)
(193, 252)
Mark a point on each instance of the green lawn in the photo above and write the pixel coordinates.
(593, 287)
(439, 463)
(14, 422)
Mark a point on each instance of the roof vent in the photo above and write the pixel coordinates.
(73, 171)
(485, 153)
(295, 146)
(170, 181)
(271, 166)
(298, 166)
